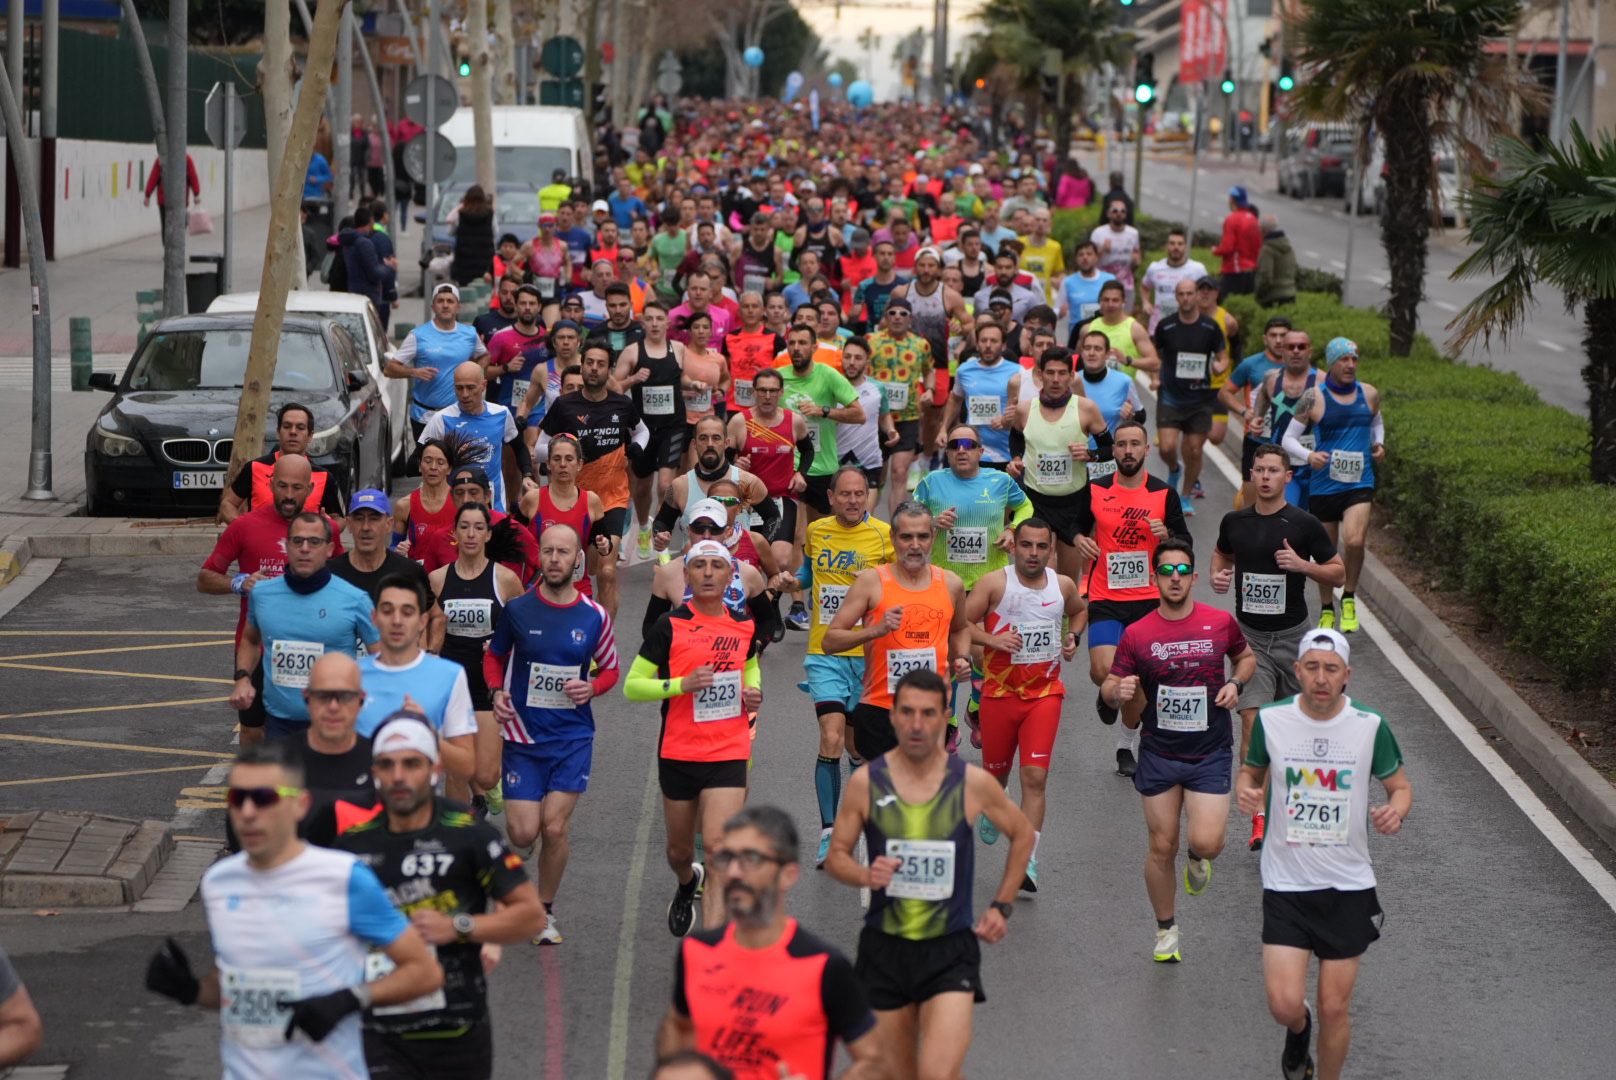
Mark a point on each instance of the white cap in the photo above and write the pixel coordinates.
(976, 169)
(710, 510)
(601, 205)
(1329, 641)
(448, 287)
(404, 731)
(709, 548)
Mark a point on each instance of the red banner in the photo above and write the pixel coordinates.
(1202, 40)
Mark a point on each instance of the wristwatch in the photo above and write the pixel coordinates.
(463, 926)
(1239, 686)
(1003, 908)
(243, 673)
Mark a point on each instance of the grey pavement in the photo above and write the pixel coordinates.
(1487, 966)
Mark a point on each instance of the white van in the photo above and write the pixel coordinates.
(530, 143)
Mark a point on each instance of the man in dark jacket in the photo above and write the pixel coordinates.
(381, 235)
(368, 275)
(1276, 266)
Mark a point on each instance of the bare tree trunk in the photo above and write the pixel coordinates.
(175, 175)
(282, 243)
(1599, 322)
(591, 75)
(39, 456)
(504, 54)
(482, 98)
(277, 74)
(645, 58)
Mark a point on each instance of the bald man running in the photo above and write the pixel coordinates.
(483, 425)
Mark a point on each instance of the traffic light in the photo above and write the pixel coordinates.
(1144, 83)
(1287, 77)
(465, 67)
(1227, 85)
(1266, 48)
(1127, 3)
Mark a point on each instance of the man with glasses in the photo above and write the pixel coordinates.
(336, 758)
(1169, 676)
(292, 621)
(793, 995)
(974, 509)
(767, 441)
(1282, 395)
(292, 927)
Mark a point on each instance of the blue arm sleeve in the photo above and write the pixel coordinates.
(372, 918)
(805, 575)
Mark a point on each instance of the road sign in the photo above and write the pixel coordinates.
(568, 92)
(415, 98)
(443, 157)
(213, 117)
(670, 74)
(562, 57)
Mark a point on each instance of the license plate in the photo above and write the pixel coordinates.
(186, 479)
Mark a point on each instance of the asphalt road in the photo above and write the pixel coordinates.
(1547, 353)
(1489, 964)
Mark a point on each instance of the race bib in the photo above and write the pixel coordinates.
(925, 869)
(1052, 468)
(967, 545)
(901, 662)
(829, 600)
(252, 1005)
(1040, 643)
(1309, 442)
(547, 686)
(578, 570)
(469, 617)
(290, 662)
(379, 965)
(1127, 570)
(721, 700)
(546, 286)
(1191, 366)
(701, 400)
(1086, 312)
(743, 393)
(1181, 708)
(897, 396)
(519, 390)
(657, 400)
(1099, 470)
(1262, 594)
(983, 408)
(813, 435)
(755, 282)
(1347, 466)
(1317, 817)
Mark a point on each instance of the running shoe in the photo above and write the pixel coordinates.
(551, 934)
(1126, 764)
(1296, 1063)
(1349, 614)
(1029, 883)
(1259, 828)
(973, 718)
(1167, 946)
(986, 831)
(1187, 506)
(798, 618)
(1327, 619)
(1108, 715)
(479, 806)
(1197, 491)
(824, 849)
(645, 545)
(682, 908)
(496, 798)
(1197, 875)
(952, 741)
(916, 471)
(1173, 478)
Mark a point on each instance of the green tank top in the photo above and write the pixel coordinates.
(1121, 338)
(930, 893)
(1050, 469)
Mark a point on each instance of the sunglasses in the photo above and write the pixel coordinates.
(725, 500)
(748, 858)
(964, 444)
(261, 797)
(704, 528)
(327, 697)
(1297, 348)
(1182, 569)
(307, 541)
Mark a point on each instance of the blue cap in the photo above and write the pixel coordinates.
(1338, 348)
(370, 499)
(1238, 194)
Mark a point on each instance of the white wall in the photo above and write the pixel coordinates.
(99, 188)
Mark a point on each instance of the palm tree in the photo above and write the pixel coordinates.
(1082, 32)
(1549, 216)
(1417, 73)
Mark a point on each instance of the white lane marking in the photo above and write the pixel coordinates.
(1600, 879)
(1445, 305)
(623, 976)
(1312, 255)
(1552, 346)
(1380, 279)
(1338, 264)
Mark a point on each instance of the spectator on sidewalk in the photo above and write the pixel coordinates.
(1240, 245)
(154, 182)
(381, 219)
(1276, 266)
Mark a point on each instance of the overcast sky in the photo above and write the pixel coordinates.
(892, 23)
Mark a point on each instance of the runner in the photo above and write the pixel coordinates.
(767, 441)
(689, 489)
(370, 560)
(604, 423)
(1006, 278)
(1314, 753)
(1351, 440)
(1206, 298)
(335, 759)
(255, 543)
(651, 372)
(509, 544)
(1080, 290)
(794, 996)
(1160, 292)
(1272, 549)
(1021, 610)
(836, 550)
(902, 361)
(1114, 392)
(442, 345)
(827, 400)
(1133, 512)
(1282, 395)
(1168, 677)
(706, 383)
(871, 296)
(985, 388)
(563, 502)
(905, 616)
(428, 506)
(1118, 243)
(1192, 350)
(294, 425)
(862, 443)
(749, 348)
(505, 360)
(291, 925)
(482, 427)
(973, 509)
(934, 307)
(444, 870)
(700, 661)
(1050, 455)
(1131, 347)
(918, 954)
(1236, 397)
(292, 620)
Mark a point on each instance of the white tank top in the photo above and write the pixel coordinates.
(1036, 613)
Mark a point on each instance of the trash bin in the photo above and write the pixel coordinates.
(203, 282)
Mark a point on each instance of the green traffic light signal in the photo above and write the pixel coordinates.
(465, 68)
(1127, 3)
(1227, 86)
(1287, 83)
(1144, 93)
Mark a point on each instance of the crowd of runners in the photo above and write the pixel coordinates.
(843, 395)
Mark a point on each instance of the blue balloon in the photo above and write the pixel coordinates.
(793, 87)
(835, 78)
(753, 56)
(860, 94)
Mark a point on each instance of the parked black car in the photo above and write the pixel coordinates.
(162, 444)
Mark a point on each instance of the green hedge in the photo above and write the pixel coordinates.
(1490, 486)
(1072, 227)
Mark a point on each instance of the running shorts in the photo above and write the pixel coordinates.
(666, 450)
(1009, 722)
(835, 680)
(817, 493)
(684, 781)
(532, 772)
(1190, 419)
(1276, 652)
(1068, 515)
(1211, 775)
(399, 1057)
(1332, 508)
(872, 730)
(897, 972)
(1332, 924)
(1109, 618)
(908, 439)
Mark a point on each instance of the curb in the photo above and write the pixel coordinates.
(18, 549)
(1590, 795)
